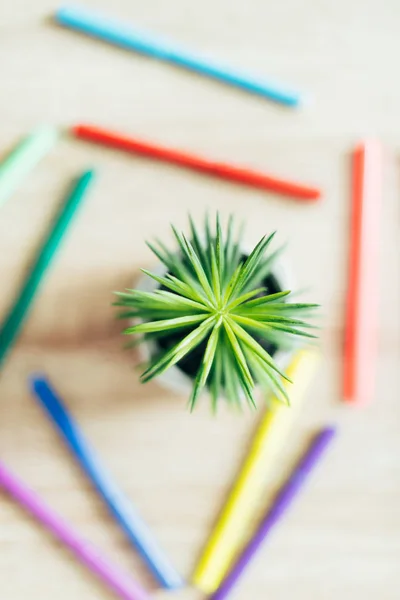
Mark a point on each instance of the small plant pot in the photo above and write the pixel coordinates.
(180, 377)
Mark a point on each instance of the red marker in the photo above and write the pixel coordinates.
(190, 161)
(360, 344)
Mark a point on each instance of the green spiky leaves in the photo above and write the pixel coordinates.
(210, 295)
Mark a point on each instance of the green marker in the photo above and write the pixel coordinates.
(18, 313)
(24, 158)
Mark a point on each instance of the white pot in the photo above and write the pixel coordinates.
(174, 378)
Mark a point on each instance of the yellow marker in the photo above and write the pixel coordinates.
(230, 530)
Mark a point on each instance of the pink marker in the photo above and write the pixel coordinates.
(125, 587)
(360, 343)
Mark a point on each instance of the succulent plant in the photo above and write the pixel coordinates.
(211, 297)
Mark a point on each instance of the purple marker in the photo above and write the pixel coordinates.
(122, 584)
(280, 505)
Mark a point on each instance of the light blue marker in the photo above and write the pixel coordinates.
(119, 506)
(119, 34)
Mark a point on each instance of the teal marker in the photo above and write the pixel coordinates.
(18, 313)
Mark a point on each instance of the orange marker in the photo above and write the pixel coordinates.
(234, 173)
(360, 344)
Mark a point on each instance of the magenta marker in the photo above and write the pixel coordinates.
(118, 581)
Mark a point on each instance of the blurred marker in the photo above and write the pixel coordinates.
(18, 164)
(243, 500)
(187, 160)
(119, 506)
(284, 499)
(118, 581)
(360, 343)
(18, 313)
(119, 34)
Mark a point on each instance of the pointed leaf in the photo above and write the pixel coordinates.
(175, 285)
(264, 300)
(206, 365)
(179, 350)
(215, 278)
(268, 320)
(244, 298)
(249, 341)
(216, 378)
(165, 324)
(238, 353)
(267, 377)
(219, 250)
(198, 246)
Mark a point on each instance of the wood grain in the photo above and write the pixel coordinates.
(342, 540)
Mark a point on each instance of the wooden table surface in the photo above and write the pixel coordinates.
(342, 540)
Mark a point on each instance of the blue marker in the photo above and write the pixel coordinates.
(119, 506)
(118, 33)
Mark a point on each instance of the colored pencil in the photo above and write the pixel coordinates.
(119, 34)
(243, 501)
(360, 343)
(274, 515)
(120, 508)
(25, 156)
(19, 311)
(118, 581)
(187, 160)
